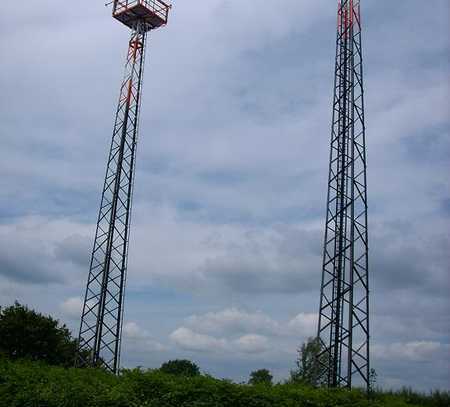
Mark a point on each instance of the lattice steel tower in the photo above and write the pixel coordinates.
(344, 303)
(101, 320)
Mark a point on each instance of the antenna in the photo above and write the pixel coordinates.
(344, 299)
(102, 317)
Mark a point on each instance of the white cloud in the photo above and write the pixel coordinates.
(243, 332)
(72, 307)
(304, 324)
(252, 344)
(141, 338)
(132, 330)
(418, 351)
(233, 321)
(190, 340)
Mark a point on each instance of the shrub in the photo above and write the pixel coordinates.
(29, 384)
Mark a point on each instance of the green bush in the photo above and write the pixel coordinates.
(34, 384)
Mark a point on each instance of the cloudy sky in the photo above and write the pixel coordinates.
(225, 252)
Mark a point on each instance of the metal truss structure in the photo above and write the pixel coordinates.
(343, 327)
(101, 321)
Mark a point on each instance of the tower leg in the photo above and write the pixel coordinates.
(344, 302)
(101, 321)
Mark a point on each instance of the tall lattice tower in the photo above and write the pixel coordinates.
(344, 302)
(101, 320)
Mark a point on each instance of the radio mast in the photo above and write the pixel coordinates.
(344, 301)
(102, 316)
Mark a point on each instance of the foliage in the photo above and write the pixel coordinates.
(180, 368)
(25, 333)
(261, 376)
(435, 398)
(310, 363)
(372, 381)
(29, 384)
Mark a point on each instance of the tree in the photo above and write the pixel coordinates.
(310, 363)
(372, 381)
(180, 368)
(26, 334)
(261, 376)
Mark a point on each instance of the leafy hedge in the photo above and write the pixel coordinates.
(32, 384)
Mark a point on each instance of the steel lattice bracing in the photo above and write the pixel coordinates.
(101, 321)
(344, 304)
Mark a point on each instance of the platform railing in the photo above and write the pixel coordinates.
(157, 7)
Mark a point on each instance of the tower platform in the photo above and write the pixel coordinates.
(153, 12)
